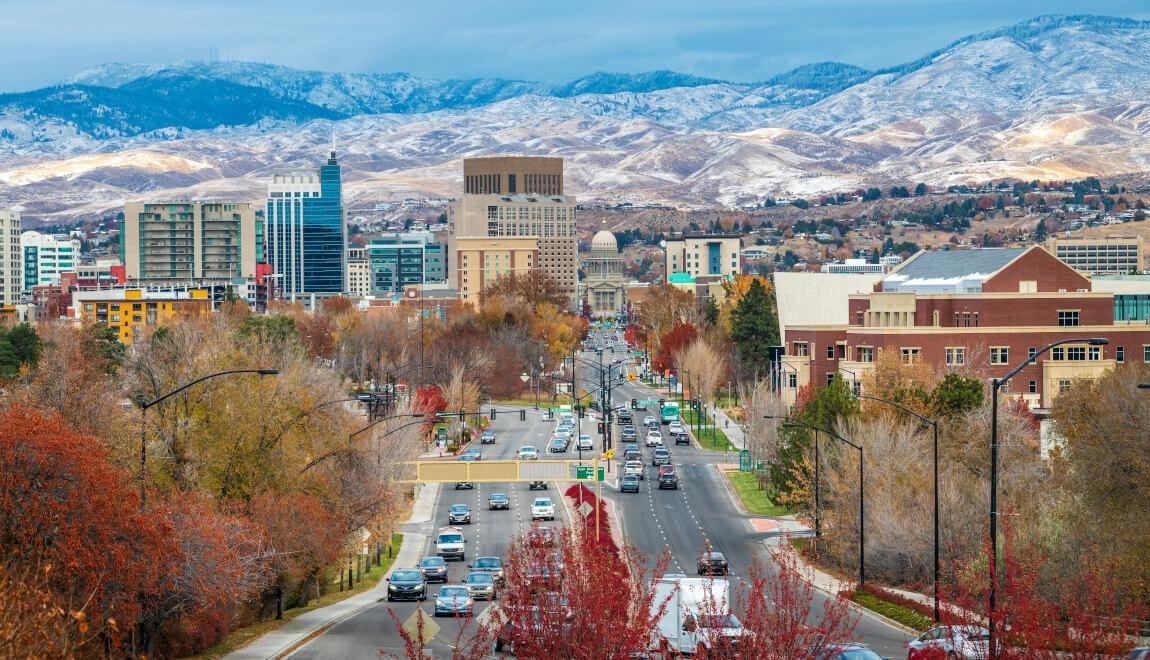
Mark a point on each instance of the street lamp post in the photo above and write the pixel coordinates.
(934, 425)
(995, 385)
(148, 404)
(789, 422)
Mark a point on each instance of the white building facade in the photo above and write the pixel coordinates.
(11, 258)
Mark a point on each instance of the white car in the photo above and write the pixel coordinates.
(586, 443)
(654, 439)
(635, 468)
(952, 642)
(450, 543)
(543, 509)
(675, 427)
(528, 453)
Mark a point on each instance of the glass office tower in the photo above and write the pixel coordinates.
(307, 234)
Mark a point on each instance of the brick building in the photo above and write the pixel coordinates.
(980, 312)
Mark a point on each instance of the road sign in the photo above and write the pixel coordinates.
(609, 454)
(585, 509)
(420, 627)
(600, 473)
(584, 472)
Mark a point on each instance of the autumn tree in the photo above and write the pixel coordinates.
(533, 287)
(755, 328)
(706, 366)
(676, 340)
(664, 308)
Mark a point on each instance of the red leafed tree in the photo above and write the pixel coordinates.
(1084, 617)
(678, 338)
(428, 400)
(578, 494)
(299, 557)
(568, 597)
(67, 512)
(635, 336)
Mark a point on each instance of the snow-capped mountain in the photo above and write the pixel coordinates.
(1050, 98)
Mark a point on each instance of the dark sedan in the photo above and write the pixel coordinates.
(434, 569)
(406, 584)
(712, 563)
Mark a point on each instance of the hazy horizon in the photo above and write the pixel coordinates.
(733, 40)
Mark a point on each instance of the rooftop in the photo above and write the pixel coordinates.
(957, 270)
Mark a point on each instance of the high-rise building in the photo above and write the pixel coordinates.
(513, 175)
(46, 256)
(307, 232)
(11, 258)
(399, 260)
(183, 241)
(1111, 256)
(481, 261)
(521, 197)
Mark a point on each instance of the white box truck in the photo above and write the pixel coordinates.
(697, 616)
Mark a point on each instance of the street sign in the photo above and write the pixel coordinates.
(584, 472)
(585, 509)
(601, 473)
(745, 460)
(420, 627)
(609, 454)
(760, 466)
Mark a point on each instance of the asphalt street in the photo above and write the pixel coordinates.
(374, 629)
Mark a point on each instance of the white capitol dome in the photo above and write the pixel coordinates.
(604, 240)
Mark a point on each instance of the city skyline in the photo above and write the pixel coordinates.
(731, 39)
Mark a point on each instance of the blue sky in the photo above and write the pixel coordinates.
(745, 40)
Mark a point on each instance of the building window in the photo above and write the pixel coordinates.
(911, 355)
(955, 357)
(1120, 353)
(1032, 387)
(831, 352)
(801, 348)
(1063, 385)
(830, 378)
(866, 354)
(999, 354)
(1076, 353)
(1031, 352)
(1094, 353)
(1067, 317)
(792, 381)
(966, 319)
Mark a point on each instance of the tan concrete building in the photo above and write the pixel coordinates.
(1102, 256)
(188, 241)
(483, 260)
(513, 175)
(11, 258)
(703, 255)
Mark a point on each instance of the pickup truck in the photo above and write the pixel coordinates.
(450, 543)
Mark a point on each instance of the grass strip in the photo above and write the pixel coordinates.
(756, 501)
(903, 615)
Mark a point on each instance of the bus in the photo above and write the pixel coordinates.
(669, 412)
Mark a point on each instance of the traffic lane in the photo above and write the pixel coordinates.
(374, 628)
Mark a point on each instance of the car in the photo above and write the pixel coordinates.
(451, 543)
(487, 438)
(952, 641)
(492, 565)
(1139, 653)
(481, 585)
(558, 445)
(634, 468)
(406, 584)
(844, 651)
(649, 420)
(629, 433)
(712, 563)
(434, 569)
(470, 455)
(629, 484)
(498, 501)
(454, 600)
(541, 536)
(543, 509)
(464, 485)
(660, 457)
(682, 438)
(675, 427)
(632, 455)
(459, 514)
(586, 443)
(537, 485)
(654, 439)
(666, 469)
(630, 446)
(528, 453)
(624, 417)
(668, 480)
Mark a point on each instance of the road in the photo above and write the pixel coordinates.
(374, 629)
(702, 510)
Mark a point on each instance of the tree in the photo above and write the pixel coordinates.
(26, 344)
(1040, 231)
(955, 394)
(677, 339)
(102, 344)
(920, 190)
(532, 287)
(706, 366)
(755, 328)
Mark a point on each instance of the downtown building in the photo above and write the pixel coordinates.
(307, 233)
(508, 199)
(978, 312)
(11, 258)
(171, 242)
(46, 256)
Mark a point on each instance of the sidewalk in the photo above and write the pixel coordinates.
(295, 633)
(733, 431)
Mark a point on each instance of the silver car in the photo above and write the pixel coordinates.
(966, 642)
(481, 585)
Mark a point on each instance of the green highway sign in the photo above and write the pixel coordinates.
(602, 473)
(584, 472)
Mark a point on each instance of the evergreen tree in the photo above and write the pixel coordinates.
(755, 328)
(712, 313)
(9, 363)
(25, 344)
(824, 410)
(920, 190)
(956, 394)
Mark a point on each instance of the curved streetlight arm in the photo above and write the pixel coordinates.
(897, 405)
(263, 372)
(379, 421)
(316, 461)
(790, 422)
(1092, 341)
(1144, 386)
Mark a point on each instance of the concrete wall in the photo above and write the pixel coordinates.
(806, 299)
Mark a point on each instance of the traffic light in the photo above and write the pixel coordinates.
(493, 414)
(602, 429)
(582, 414)
(661, 402)
(523, 415)
(634, 404)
